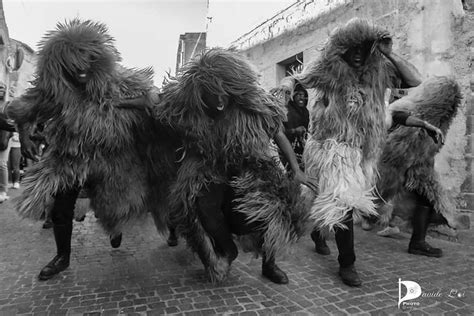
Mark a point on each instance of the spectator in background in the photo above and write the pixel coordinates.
(14, 161)
(6, 129)
(297, 122)
(4, 152)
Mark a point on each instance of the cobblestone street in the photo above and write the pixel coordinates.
(145, 276)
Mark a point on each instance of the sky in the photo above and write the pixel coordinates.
(146, 31)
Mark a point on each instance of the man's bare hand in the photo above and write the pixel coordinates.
(28, 148)
(435, 133)
(385, 43)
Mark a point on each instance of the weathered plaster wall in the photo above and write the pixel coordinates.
(435, 35)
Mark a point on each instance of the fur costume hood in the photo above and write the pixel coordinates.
(347, 124)
(407, 161)
(92, 142)
(331, 73)
(226, 121)
(247, 123)
(353, 98)
(78, 49)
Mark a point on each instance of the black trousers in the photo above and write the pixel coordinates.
(345, 242)
(211, 204)
(62, 212)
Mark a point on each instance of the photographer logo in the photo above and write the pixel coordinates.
(413, 291)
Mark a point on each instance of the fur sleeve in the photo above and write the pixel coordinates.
(32, 107)
(134, 82)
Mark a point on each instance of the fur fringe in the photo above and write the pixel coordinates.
(345, 182)
(272, 203)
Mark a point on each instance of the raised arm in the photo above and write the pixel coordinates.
(404, 118)
(410, 76)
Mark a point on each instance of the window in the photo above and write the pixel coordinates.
(289, 66)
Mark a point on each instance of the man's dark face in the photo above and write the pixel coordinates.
(214, 104)
(300, 98)
(356, 56)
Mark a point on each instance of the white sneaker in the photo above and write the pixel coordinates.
(16, 185)
(3, 197)
(388, 231)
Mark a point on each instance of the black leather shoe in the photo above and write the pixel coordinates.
(424, 249)
(58, 264)
(116, 240)
(350, 276)
(274, 274)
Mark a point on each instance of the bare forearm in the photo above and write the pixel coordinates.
(410, 75)
(287, 151)
(415, 122)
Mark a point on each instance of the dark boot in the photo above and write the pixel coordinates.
(62, 236)
(172, 238)
(418, 245)
(271, 271)
(116, 240)
(320, 245)
(346, 258)
(350, 276)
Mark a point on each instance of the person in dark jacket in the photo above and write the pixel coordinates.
(297, 122)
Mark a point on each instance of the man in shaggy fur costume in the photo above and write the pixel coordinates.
(407, 162)
(348, 127)
(92, 143)
(229, 181)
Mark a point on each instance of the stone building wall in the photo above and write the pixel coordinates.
(435, 35)
(15, 76)
(4, 56)
(190, 45)
(20, 79)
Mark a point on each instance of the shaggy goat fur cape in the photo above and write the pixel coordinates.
(231, 149)
(347, 125)
(117, 154)
(407, 161)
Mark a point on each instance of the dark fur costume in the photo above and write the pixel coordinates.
(233, 146)
(347, 125)
(117, 154)
(407, 161)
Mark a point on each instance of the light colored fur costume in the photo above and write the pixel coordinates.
(238, 144)
(347, 126)
(407, 161)
(113, 152)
